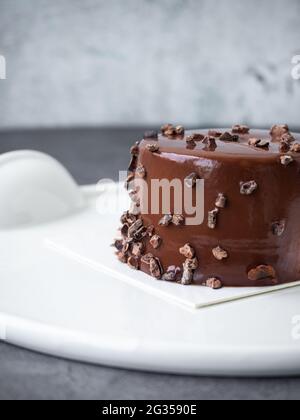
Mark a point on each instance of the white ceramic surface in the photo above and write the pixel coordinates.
(59, 294)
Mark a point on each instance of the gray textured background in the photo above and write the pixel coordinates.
(100, 62)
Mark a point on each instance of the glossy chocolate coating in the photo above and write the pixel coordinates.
(244, 226)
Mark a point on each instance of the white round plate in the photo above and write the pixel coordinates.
(53, 302)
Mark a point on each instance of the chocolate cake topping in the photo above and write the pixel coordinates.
(221, 201)
(166, 220)
(140, 171)
(263, 144)
(240, 129)
(212, 218)
(229, 137)
(250, 230)
(187, 251)
(155, 268)
(213, 283)
(277, 131)
(284, 146)
(137, 249)
(150, 231)
(133, 262)
(166, 128)
(153, 148)
(190, 141)
(214, 133)
(118, 244)
(288, 138)
(295, 148)
(198, 137)
(278, 228)
(171, 273)
(286, 160)
(191, 264)
(155, 241)
(210, 143)
(134, 228)
(147, 258)
(178, 220)
(262, 272)
(187, 277)
(219, 253)
(179, 130)
(248, 188)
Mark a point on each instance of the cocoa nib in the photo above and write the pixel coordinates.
(214, 283)
(151, 135)
(247, 188)
(118, 244)
(133, 262)
(295, 148)
(191, 180)
(214, 133)
(137, 249)
(190, 141)
(187, 277)
(288, 138)
(278, 228)
(277, 131)
(240, 129)
(166, 220)
(128, 218)
(150, 230)
(169, 130)
(152, 147)
(262, 272)
(124, 230)
(155, 241)
(166, 127)
(212, 218)
(221, 201)
(147, 258)
(171, 273)
(135, 228)
(195, 137)
(179, 130)
(155, 268)
(219, 253)
(187, 251)
(229, 137)
(178, 220)
(284, 146)
(140, 171)
(190, 264)
(253, 141)
(210, 143)
(286, 160)
(122, 257)
(263, 144)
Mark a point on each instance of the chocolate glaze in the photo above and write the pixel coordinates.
(244, 226)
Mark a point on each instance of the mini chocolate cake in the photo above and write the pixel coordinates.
(251, 231)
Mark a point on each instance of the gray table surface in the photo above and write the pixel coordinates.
(92, 154)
